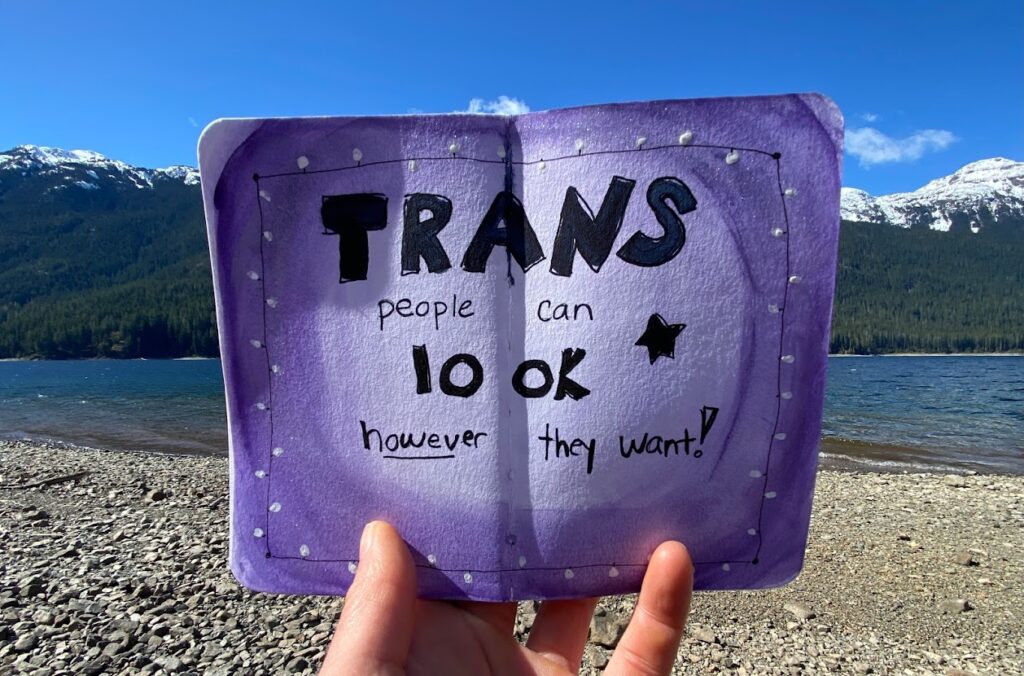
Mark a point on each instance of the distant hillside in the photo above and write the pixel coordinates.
(940, 269)
(921, 290)
(102, 259)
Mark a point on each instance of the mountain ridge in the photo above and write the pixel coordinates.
(99, 258)
(49, 161)
(984, 193)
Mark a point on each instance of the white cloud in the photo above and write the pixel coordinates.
(871, 146)
(192, 121)
(503, 106)
(870, 117)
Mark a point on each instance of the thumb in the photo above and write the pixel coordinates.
(375, 630)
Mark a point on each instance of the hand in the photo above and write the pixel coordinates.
(385, 629)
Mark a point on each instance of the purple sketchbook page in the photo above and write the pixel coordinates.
(538, 345)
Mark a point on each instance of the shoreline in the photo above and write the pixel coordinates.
(30, 359)
(929, 354)
(124, 569)
(835, 454)
(831, 354)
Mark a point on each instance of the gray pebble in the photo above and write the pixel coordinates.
(799, 611)
(703, 634)
(26, 643)
(606, 630)
(965, 559)
(297, 665)
(955, 606)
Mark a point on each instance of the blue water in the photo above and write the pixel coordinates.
(919, 412)
(881, 413)
(157, 405)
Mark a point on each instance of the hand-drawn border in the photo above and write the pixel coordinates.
(264, 237)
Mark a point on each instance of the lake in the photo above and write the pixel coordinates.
(881, 413)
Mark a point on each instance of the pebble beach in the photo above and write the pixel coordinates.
(115, 562)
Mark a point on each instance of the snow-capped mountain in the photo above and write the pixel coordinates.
(979, 195)
(976, 197)
(84, 169)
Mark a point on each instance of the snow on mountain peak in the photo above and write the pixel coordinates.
(978, 193)
(46, 155)
(188, 175)
(71, 163)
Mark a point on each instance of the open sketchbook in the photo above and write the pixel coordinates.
(538, 345)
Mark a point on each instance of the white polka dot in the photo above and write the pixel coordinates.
(579, 145)
(613, 572)
(788, 358)
(357, 154)
(569, 574)
(774, 309)
(787, 395)
(257, 532)
(352, 567)
(501, 152)
(272, 302)
(253, 275)
(732, 157)
(522, 562)
(755, 473)
(468, 577)
(275, 369)
(265, 195)
(260, 473)
(432, 559)
(789, 192)
(275, 507)
(780, 436)
(412, 165)
(453, 148)
(778, 232)
(686, 138)
(304, 551)
(255, 343)
(261, 406)
(640, 141)
(302, 161)
(795, 279)
(267, 235)
(751, 531)
(278, 452)
(726, 567)
(770, 494)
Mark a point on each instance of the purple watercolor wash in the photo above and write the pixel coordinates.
(538, 345)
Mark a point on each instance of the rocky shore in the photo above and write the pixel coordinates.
(119, 566)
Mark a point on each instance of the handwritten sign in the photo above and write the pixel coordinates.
(538, 345)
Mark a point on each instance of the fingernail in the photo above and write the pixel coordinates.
(367, 540)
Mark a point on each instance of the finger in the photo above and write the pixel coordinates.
(652, 638)
(501, 616)
(560, 631)
(375, 629)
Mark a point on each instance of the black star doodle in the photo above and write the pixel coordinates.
(660, 337)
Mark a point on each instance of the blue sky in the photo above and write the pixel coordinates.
(926, 87)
